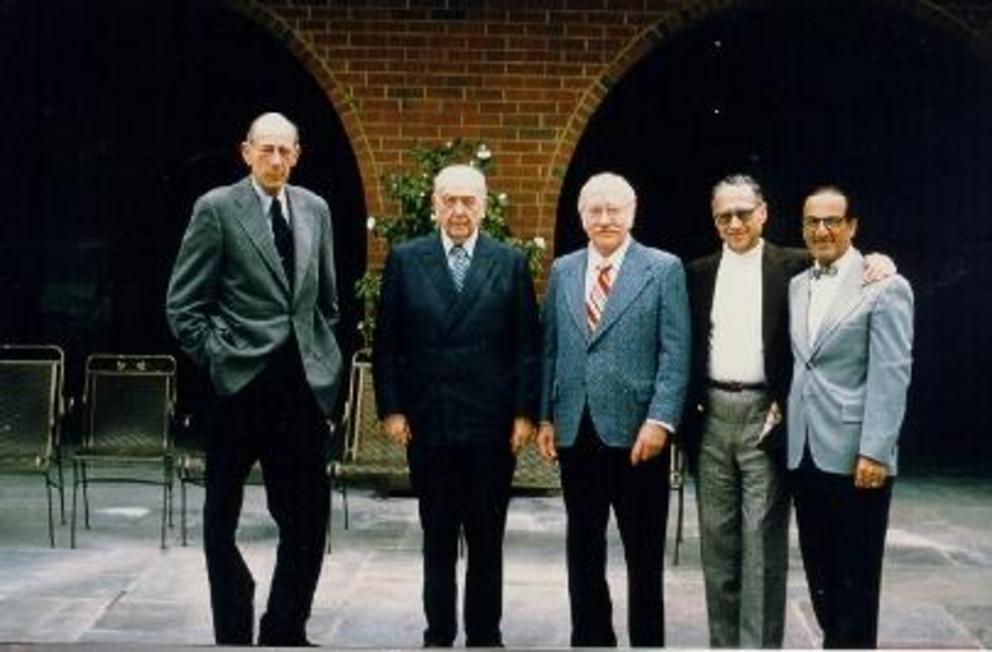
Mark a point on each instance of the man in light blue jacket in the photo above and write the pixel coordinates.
(615, 370)
(852, 345)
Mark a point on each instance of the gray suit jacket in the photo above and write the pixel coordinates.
(635, 365)
(229, 302)
(848, 394)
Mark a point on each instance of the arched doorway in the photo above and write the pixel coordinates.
(867, 95)
(121, 115)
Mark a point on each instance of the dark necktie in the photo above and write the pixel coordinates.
(283, 237)
(820, 272)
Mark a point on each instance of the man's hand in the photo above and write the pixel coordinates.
(546, 441)
(523, 430)
(398, 429)
(878, 267)
(869, 474)
(651, 440)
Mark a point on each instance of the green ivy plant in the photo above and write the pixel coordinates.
(411, 193)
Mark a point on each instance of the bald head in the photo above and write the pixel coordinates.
(272, 124)
(271, 150)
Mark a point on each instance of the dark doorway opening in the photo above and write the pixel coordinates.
(120, 115)
(893, 108)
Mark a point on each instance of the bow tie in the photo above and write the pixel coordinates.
(819, 272)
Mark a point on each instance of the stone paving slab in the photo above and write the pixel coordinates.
(118, 590)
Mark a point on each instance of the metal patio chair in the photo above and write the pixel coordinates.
(32, 408)
(129, 401)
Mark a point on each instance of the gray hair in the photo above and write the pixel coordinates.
(612, 185)
(455, 173)
(738, 180)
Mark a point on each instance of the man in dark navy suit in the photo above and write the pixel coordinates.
(456, 378)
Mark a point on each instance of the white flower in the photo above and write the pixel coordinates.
(540, 243)
(360, 326)
(370, 223)
(502, 199)
(482, 152)
(433, 216)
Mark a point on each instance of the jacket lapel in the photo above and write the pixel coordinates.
(475, 280)
(773, 294)
(799, 314)
(303, 233)
(849, 296)
(256, 226)
(437, 272)
(574, 286)
(630, 281)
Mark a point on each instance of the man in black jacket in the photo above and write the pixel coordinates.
(456, 376)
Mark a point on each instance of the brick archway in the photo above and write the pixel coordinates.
(307, 54)
(692, 12)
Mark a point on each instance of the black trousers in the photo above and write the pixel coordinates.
(842, 538)
(275, 420)
(463, 489)
(595, 477)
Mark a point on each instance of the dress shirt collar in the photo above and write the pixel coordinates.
(842, 264)
(596, 260)
(468, 245)
(752, 254)
(266, 198)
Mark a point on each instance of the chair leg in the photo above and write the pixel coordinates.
(61, 493)
(165, 504)
(86, 495)
(344, 499)
(182, 509)
(330, 511)
(679, 522)
(72, 519)
(51, 516)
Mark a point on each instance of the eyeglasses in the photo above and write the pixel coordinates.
(742, 214)
(829, 223)
(612, 212)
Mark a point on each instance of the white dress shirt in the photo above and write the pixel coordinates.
(823, 292)
(595, 261)
(468, 245)
(266, 200)
(736, 347)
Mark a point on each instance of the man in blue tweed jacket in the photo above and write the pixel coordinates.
(615, 369)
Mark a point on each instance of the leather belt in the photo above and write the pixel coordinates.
(737, 386)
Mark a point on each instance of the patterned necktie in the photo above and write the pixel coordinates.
(596, 302)
(459, 262)
(820, 272)
(283, 237)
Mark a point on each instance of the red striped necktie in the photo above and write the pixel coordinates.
(596, 301)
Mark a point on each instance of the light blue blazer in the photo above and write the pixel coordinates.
(848, 394)
(634, 366)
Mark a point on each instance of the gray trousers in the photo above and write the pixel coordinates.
(743, 524)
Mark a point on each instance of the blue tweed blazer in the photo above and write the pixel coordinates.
(634, 366)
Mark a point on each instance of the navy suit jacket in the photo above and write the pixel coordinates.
(634, 366)
(459, 365)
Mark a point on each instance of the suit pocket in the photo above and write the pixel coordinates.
(852, 412)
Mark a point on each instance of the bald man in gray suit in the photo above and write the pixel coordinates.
(252, 301)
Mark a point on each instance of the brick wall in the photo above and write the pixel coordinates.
(523, 76)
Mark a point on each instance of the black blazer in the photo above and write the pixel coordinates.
(778, 266)
(460, 366)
